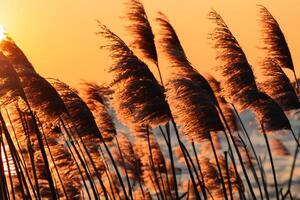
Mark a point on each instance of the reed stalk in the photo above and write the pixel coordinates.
(272, 162)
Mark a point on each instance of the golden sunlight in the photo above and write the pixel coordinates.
(8, 163)
(2, 33)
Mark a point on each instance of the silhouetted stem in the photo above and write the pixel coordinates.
(53, 161)
(238, 153)
(218, 166)
(169, 144)
(292, 169)
(43, 152)
(245, 131)
(80, 172)
(262, 172)
(201, 174)
(160, 76)
(115, 167)
(4, 190)
(272, 163)
(186, 160)
(152, 164)
(108, 173)
(31, 156)
(252, 167)
(9, 170)
(126, 173)
(296, 81)
(21, 153)
(13, 151)
(228, 174)
(82, 162)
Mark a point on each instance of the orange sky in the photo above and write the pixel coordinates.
(59, 37)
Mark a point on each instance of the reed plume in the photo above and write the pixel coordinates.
(239, 81)
(277, 85)
(82, 121)
(36, 166)
(193, 109)
(274, 39)
(131, 163)
(226, 108)
(96, 99)
(10, 87)
(141, 29)
(41, 96)
(63, 163)
(247, 156)
(187, 87)
(269, 114)
(179, 63)
(211, 178)
(153, 164)
(138, 98)
(278, 148)
(14, 54)
(137, 194)
(230, 177)
(20, 64)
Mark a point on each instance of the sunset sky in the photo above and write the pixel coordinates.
(59, 37)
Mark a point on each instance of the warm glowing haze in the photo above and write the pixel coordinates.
(2, 33)
(59, 36)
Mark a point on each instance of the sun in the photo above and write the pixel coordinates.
(2, 33)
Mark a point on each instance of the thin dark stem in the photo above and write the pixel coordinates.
(115, 167)
(31, 155)
(186, 160)
(159, 72)
(9, 170)
(13, 151)
(272, 162)
(200, 171)
(169, 145)
(165, 168)
(262, 172)
(4, 190)
(123, 163)
(296, 81)
(53, 161)
(108, 173)
(218, 166)
(292, 168)
(295, 138)
(81, 161)
(228, 174)
(245, 131)
(252, 166)
(82, 156)
(238, 154)
(80, 172)
(21, 157)
(43, 152)
(152, 166)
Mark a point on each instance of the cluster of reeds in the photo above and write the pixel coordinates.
(184, 139)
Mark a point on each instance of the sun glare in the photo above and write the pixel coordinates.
(2, 33)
